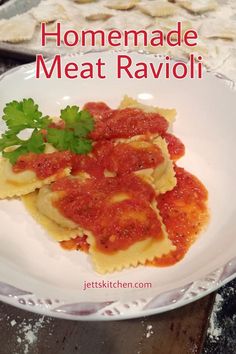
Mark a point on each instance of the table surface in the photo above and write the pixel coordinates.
(205, 326)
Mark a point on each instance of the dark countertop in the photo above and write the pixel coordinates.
(176, 332)
(221, 333)
(192, 329)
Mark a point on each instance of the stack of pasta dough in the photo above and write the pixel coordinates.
(130, 198)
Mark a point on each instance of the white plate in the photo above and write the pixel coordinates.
(37, 275)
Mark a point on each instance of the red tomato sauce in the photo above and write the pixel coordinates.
(128, 122)
(116, 224)
(126, 158)
(120, 159)
(184, 212)
(119, 223)
(175, 146)
(121, 123)
(44, 165)
(76, 244)
(99, 110)
(87, 164)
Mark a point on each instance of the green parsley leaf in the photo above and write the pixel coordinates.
(81, 146)
(80, 121)
(24, 114)
(9, 139)
(84, 125)
(70, 115)
(59, 138)
(66, 140)
(34, 144)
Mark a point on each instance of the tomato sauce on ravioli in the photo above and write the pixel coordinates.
(119, 158)
(128, 122)
(44, 165)
(124, 123)
(116, 210)
(184, 213)
(175, 146)
(87, 164)
(125, 158)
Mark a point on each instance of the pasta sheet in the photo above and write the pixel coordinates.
(57, 232)
(17, 184)
(136, 254)
(129, 102)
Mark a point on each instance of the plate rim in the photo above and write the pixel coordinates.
(107, 311)
(22, 302)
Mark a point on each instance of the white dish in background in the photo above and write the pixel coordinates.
(37, 275)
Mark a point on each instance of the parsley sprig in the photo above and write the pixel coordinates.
(78, 124)
(22, 115)
(25, 114)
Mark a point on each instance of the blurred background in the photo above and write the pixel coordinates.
(214, 20)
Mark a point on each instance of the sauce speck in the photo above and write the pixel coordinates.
(76, 244)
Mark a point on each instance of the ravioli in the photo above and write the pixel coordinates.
(17, 184)
(47, 197)
(215, 29)
(129, 102)
(57, 232)
(106, 198)
(103, 16)
(147, 157)
(84, 1)
(17, 29)
(125, 21)
(44, 204)
(121, 4)
(137, 254)
(157, 8)
(198, 6)
(162, 178)
(167, 24)
(46, 12)
(95, 12)
(126, 214)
